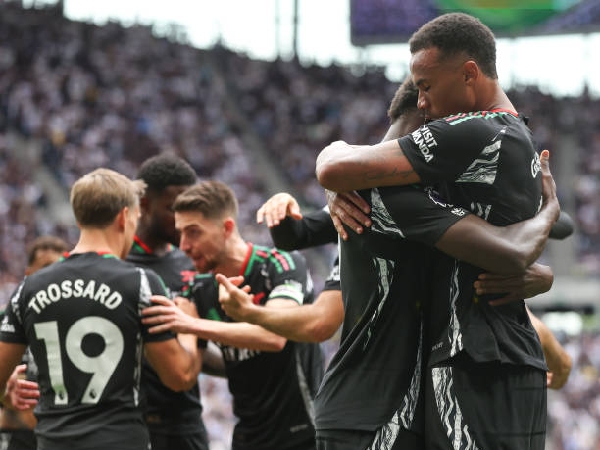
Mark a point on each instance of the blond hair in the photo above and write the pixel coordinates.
(97, 197)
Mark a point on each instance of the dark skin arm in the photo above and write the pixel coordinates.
(506, 250)
(341, 168)
(502, 250)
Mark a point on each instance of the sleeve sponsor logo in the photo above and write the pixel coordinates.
(423, 137)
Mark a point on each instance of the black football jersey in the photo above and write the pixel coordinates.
(167, 411)
(81, 318)
(485, 162)
(375, 378)
(272, 391)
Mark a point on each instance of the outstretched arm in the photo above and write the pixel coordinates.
(290, 230)
(315, 322)
(165, 315)
(342, 167)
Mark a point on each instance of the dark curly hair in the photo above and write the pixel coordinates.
(164, 170)
(455, 33)
(405, 99)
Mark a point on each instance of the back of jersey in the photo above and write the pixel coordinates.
(81, 319)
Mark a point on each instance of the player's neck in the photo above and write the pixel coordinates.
(99, 241)
(235, 259)
(152, 245)
(498, 99)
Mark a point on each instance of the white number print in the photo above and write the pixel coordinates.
(101, 366)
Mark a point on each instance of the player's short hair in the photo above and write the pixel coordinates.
(404, 101)
(455, 33)
(42, 243)
(215, 200)
(97, 197)
(161, 171)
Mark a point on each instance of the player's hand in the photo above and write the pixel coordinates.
(21, 394)
(236, 302)
(277, 208)
(165, 315)
(537, 279)
(549, 198)
(187, 306)
(350, 209)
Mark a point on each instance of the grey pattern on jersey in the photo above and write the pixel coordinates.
(385, 268)
(485, 168)
(381, 218)
(458, 432)
(403, 417)
(145, 294)
(304, 389)
(454, 329)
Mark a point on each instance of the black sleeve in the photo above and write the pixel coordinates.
(414, 213)
(314, 229)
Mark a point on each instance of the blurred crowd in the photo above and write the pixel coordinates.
(88, 96)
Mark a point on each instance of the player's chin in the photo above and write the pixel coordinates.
(202, 265)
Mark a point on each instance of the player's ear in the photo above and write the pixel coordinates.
(229, 226)
(121, 218)
(470, 71)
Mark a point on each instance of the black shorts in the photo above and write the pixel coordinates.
(17, 440)
(382, 439)
(485, 406)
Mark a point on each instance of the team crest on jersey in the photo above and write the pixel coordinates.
(536, 165)
(423, 137)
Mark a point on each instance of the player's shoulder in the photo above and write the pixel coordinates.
(199, 282)
(275, 259)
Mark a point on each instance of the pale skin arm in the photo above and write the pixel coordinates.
(176, 366)
(10, 355)
(558, 360)
(165, 315)
(276, 208)
(314, 322)
(21, 394)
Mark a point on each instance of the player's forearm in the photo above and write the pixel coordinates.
(531, 235)
(341, 167)
(307, 323)
(558, 360)
(506, 250)
(238, 334)
(288, 235)
(190, 343)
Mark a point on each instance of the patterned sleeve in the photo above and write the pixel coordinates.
(413, 212)
(289, 276)
(446, 149)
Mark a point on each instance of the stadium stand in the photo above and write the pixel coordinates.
(75, 96)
